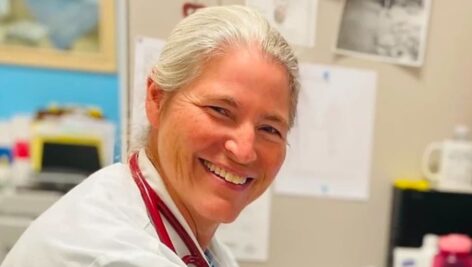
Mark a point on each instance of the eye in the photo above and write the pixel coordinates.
(271, 130)
(220, 111)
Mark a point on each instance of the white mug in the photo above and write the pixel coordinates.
(454, 171)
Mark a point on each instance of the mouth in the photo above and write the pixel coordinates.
(225, 175)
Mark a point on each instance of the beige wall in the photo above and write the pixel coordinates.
(414, 107)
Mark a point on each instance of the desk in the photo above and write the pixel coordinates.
(18, 210)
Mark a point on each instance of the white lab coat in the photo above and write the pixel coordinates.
(103, 222)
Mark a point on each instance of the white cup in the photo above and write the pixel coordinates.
(454, 172)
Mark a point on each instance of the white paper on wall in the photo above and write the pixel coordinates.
(329, 151)
(295, 20)
(248, 236)
(147, 53)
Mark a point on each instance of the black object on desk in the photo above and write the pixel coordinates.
(64, 165)
(416, 213)
(70, 158)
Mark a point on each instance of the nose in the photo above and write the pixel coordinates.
(241, 145)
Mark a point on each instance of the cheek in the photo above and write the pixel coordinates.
(202, 135)
(274, 162)
(187, 137)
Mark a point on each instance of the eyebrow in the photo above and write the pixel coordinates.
(277, 119)
(227, 100)
(271, 117)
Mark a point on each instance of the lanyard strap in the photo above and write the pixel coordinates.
(154, 205)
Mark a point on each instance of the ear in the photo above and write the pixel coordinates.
(154, 97)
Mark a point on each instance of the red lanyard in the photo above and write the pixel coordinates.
(155, 206)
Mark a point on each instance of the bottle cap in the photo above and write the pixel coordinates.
(412, 184)
(455, 243)
(430, 240)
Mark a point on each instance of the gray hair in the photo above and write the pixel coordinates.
(207, 33)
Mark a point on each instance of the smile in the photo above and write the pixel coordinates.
(224, 174)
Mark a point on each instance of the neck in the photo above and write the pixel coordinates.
(202, 228)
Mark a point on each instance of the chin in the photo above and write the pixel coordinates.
(221, 213)
(229, 219)
(226, 220)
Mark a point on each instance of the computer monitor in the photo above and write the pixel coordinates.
(63, 161)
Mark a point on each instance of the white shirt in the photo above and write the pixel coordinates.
(103, 222)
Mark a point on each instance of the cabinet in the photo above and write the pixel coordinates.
(416, 213)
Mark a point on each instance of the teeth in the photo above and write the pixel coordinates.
(229, 177)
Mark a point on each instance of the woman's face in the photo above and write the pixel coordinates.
(220, 141)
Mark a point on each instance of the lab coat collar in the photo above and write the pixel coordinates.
(155, 181)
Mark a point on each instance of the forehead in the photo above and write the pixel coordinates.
(245, 75)
(245, 63)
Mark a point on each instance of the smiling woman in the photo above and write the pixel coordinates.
(239, 138)
(220, 103)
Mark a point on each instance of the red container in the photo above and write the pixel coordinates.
(454, 251)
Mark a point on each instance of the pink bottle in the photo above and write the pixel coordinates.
(454, 251)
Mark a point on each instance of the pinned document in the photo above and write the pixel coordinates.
(330, 146)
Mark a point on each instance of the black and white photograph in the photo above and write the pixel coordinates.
(392, 31)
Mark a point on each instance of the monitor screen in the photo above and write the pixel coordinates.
(60, 157)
